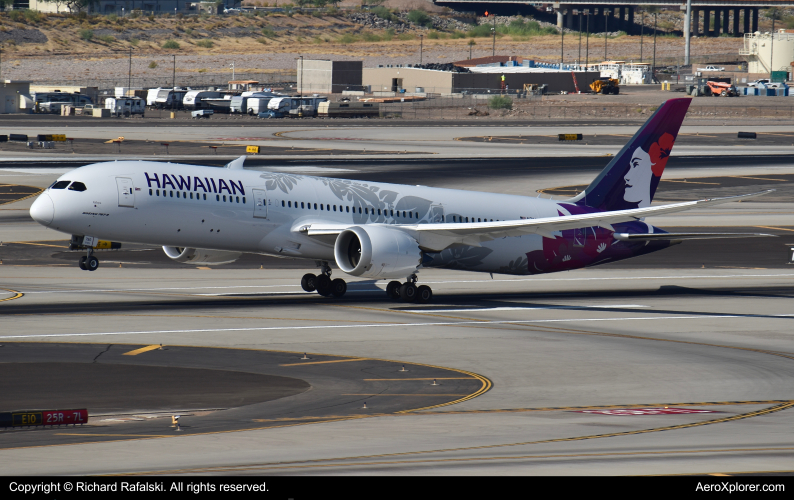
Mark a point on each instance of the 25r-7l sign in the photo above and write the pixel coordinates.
(43, 417)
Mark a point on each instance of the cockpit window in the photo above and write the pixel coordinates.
(60, 185)
(77, 186)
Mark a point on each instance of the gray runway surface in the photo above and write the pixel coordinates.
(678, 362)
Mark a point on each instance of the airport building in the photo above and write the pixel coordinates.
(326, 76)
(15, 97)
(767, 52)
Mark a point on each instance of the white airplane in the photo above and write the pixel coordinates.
(210, 215)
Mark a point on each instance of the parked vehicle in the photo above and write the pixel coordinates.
(605, 86)
(256, 105)
(194, 99)
(764, 82)
(151, 96)
(202, 113)
(270, 114)
(722, 89)
(51, 102)
(711, 68)
(348, 109)
(125, 106)
(170, 99)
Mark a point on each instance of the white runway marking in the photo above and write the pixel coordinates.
(527, 308)
(398, 325)
(354, 283)
(38, 171)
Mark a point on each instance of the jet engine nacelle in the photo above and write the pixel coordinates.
(200, 255)
(375, 251)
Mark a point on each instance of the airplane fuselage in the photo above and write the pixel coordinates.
(250, 211)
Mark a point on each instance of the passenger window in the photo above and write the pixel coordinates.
(191, 195)
(243, 200)
(359, 209)
(217, 197)
(171, 193)
(392, 213)
(347, 209)
(410, 214)
(315, 206)
(77, 186)
(321, 206)
(467, 219)
(289, 203)
(177, 194)
(150, 192)
(302, 205)
(238, 199)
(158, 192)
(60, 185)
(334, 208)
(479, 220)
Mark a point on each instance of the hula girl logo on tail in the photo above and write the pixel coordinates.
(645, 171)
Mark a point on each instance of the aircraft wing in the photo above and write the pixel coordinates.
(686, 236)
(438, 236)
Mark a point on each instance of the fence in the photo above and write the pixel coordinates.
(436, 109)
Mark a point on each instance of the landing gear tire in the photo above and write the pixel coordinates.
(81, 263)
(309, 282)
(408, 292)
(338, 287)
(91, 263)
(393, 290)
(323, 285)
(423, 294)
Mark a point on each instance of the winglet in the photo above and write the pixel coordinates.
(236, 164)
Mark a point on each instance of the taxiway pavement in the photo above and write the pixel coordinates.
(640, 369)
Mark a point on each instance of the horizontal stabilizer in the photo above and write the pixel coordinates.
(686, 236)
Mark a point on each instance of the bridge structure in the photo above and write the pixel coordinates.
(710, 18)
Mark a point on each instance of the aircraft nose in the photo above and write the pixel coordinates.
(43, 209)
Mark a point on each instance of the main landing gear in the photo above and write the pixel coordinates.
(323, 284)
(88, 262)
(408, 291)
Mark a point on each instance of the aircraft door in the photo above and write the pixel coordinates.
(436, 214)
(126, 192)
(260, 203)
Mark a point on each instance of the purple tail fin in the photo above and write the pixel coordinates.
(631, 178)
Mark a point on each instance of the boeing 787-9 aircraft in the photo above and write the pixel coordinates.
(209, 215)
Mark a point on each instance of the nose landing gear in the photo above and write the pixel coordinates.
(323, 284)
(88, 262)
(408, 291)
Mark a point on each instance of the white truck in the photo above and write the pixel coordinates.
(764, 82)
(711, 68)
(125, 106)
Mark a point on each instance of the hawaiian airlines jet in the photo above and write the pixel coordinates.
(209, 215)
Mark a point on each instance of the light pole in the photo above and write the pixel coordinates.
(493, 53)
(173, 78)
(653, 67)
(129, 76)
(231, 66)
(579, 15)
(606, 30)
(562, 39)
(421, 47)
(587, 48)
(642, 26)
(687, 29)
(300, 89)
(471, 44)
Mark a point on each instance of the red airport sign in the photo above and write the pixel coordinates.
(43, 417)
